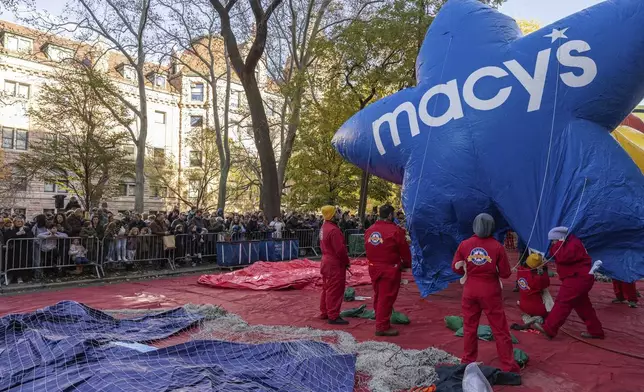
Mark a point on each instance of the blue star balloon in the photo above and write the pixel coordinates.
(515, 126)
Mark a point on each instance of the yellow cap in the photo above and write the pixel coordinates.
(534, 261)
(328, 212)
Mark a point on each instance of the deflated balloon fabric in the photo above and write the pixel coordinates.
(517, 127)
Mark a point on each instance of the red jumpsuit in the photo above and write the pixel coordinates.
(388, 252)
(531, 284)
(625, 291)
(486, 261)
(335, 260)
(573, 265)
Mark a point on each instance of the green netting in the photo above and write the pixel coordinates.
(520, 357)
(454, 322)
(363, 312)
(350, 294)
(484, 332)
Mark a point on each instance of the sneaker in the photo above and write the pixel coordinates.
(586, 335)
(630, 304)
(618, 301)
(389, 332)
(338, 321)
(198, 255)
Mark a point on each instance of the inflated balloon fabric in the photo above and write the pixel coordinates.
(518, 127)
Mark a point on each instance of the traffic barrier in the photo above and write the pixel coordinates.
(196, 247)
(25, 258)
(137, 249)
(308, 239)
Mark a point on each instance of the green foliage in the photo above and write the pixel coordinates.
(83, 148)
(362, 63)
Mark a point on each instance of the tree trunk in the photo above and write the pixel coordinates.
(223, 182)
(287, 146)
(364, 192)
(270, 189)
(139, 187)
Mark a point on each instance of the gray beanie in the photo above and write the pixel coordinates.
(483, 225)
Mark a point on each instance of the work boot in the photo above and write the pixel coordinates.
(618, 301)
(539, 328)
(389, 332)
(632, 304)
(586, 335)
(338, 321)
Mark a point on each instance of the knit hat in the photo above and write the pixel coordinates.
(483, 225)
(328, 212)
(558, 233)
(534, 260)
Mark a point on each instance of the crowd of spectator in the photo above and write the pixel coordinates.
(122, 233)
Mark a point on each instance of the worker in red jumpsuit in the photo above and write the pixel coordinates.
(335, 262)
(482, 260)
(532, 279)
(573, 267)
(625, 293)
(388, 253)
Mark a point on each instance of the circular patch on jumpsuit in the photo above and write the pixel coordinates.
(479, 256)
(523, 284)
(375, 238)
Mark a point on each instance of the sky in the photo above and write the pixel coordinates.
(545, 11)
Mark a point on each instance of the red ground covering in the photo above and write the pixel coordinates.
(561, 365)
(296, 274)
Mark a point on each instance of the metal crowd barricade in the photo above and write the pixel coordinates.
(26, 257)
(136, 249)
(307, 238)
(196, 246)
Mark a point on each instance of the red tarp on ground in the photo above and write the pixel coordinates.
(296, 274)
(561, 365)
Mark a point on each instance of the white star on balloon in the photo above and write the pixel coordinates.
(556, 34)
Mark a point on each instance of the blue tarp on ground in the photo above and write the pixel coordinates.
(70, 346)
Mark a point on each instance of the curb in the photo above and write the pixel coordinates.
(27, 288)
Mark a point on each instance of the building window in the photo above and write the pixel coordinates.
(127, 189)
(19, 44)
(128, 72)
(59, 54)
(159, 153)
(7, 138)
(196, 121)
(15, 89)
(159, 117)
(21, 139)
(21, 184)
(159, 191)
(196, 92)
(195, 158)
(14, 139)
(130, 151)
(234, 99)
(56, 186)
(159, 81)
(48, 138)
(50, 186)
(193, 189)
